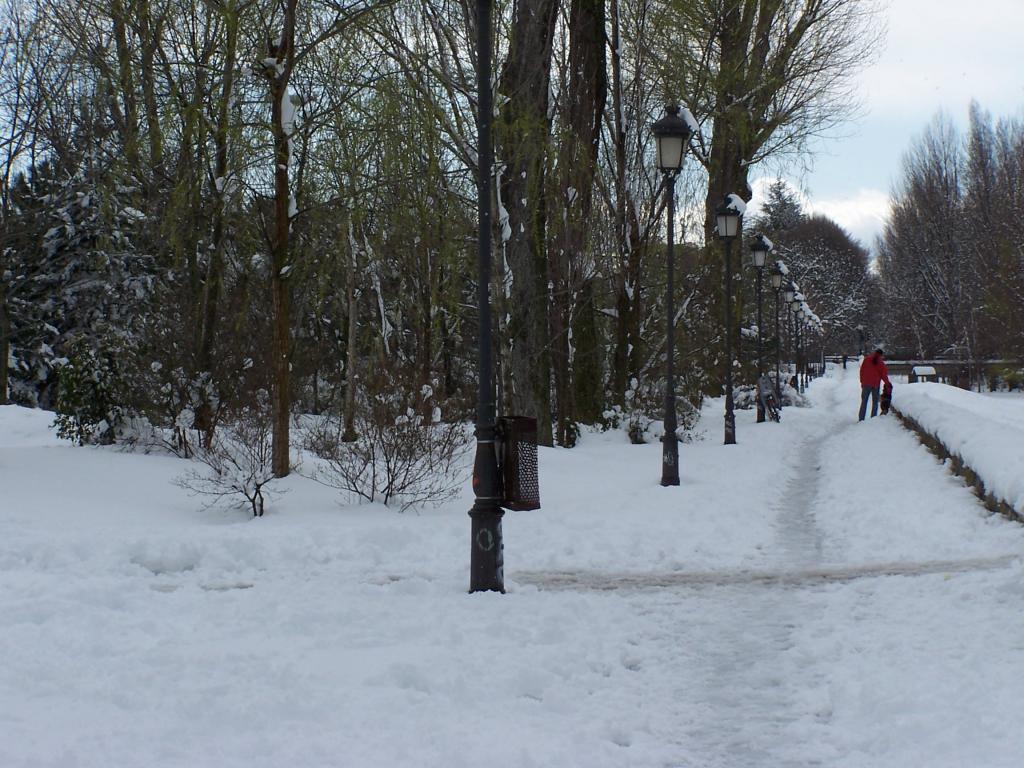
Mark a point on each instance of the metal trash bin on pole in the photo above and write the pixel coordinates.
(517, 462)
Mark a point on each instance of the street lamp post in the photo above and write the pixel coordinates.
(728, 219)
(796, 351)
(776, 278)
(672, 137)
(759, 251)
(801, 372)
(788, 293)
(487, 553)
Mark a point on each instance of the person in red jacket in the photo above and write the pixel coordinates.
(872, 373)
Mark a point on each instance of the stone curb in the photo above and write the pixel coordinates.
(959, 467)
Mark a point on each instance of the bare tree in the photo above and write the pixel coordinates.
(572, 268)
(765, 76)
(283, 55)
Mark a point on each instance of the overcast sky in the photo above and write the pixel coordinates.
(937, 55)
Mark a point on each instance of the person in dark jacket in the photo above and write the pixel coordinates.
(872, 373)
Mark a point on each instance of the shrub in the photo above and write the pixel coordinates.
(238, 460)
(645, 405)
(89, 397)
(398, 456)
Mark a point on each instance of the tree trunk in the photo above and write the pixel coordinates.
(629, 245)
(281, 108)
(523, 133)
(588, 379)
(205, 420)
(349, 434)
(150, 39)
(583, 109)
(126, 112)
(5, 341)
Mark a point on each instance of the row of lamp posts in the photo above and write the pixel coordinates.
(672, 134)
(802, 318)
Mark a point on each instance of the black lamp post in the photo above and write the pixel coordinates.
(777, 275)
(788, 293)
(672, 136)
(759, 251)
(728, 219)
(794, 307)
(801, 371)
(486, 568)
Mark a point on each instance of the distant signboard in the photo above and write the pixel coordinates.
(922, 373)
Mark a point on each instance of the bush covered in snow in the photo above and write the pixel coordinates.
(238, 462)
(402, 453)
(89, 397)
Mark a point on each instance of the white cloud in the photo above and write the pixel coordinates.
(862, 213)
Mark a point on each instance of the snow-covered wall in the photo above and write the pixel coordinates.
(986, 433)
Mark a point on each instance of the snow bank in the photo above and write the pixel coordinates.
(767, 611)
(985, 433)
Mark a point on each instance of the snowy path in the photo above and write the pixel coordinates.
(823, 593)
(753, 687)
(762, 695)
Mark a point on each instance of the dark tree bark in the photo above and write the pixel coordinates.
(5, 338)
(523, 140)
(283, 52)
(583, 110)
(631, 242)
(214, 279)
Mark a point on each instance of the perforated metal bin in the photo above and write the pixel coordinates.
(517, 462)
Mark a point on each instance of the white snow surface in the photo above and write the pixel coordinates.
(691, 121)
(987, 433)
(824, 593)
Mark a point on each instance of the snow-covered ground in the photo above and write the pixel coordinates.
(986, 432)
(823, 593)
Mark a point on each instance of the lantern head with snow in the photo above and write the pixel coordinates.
(672, 137)
(729, 215)
(759, 251)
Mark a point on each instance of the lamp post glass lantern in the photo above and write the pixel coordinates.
(728, 219)
(671, 136)
(759, 250)
(728, 216)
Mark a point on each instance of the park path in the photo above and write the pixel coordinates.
(749, 677)
(754, 691)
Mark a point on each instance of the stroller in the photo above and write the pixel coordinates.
(885, 401)
(766, 394)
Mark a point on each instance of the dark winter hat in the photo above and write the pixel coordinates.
(880, 351)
